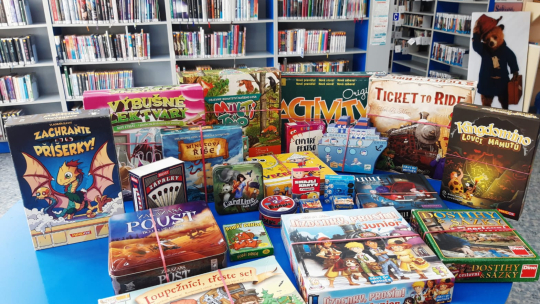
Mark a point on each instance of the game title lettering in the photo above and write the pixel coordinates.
(500, 271)
(380, 225)
(509, 140)
(368, 179)
(317, 109)
(393, 293)
(361, 298)
(305, 144)
(235, 112)
(161, 222)
(341, 220)
(163, 180)
(147, 109)
(173, 275)
(241, 202)
(65, 141)
(484, 218)
(440, 98)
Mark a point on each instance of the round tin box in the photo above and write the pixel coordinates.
(271, 208)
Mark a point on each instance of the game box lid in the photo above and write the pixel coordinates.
(186, 232)
(54, 117)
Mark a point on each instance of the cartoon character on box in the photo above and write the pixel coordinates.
(334, 264)
(300, 160)
(488, 41)
(245, 239)
(384, 261)
(367, 263)
(305, 183)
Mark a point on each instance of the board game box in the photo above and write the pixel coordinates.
(338, 185)
(185, 238)
(247, 240)
(222, 144)
(477, 245)
(137, 114)
(305, 183)
(415, 113)
(363, 256)
(67, 171)
(249, 97)
(260, 281)
(238, 187)
(404, 192)
(489, 158)
(303, 136)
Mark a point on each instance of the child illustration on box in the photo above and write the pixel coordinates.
(333, 263)
(408, 261)
(429, 292)
(239, 184)
(368, 264)
(443, 287)
(418, 293)
(385, 261)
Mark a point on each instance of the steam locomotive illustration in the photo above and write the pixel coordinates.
(415, 144)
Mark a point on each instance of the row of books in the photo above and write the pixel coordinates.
(214, 10)
(450, 53)
(13, 13)
(412, 6)
(318, 66)
(302, 41)
(18, 51)
(18, 88)
(104, 11)
(88, 48)
(76, 83)
(5, 115)
(217, 44)
(453, 23)
(417, 20)
(443, 75)
(322, 9)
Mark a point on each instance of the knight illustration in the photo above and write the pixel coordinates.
(70, 176)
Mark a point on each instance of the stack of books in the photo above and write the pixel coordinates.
(302, 41)
(322, 9)
(17, 51)
(13, 13)
(450, 53)
(104, 47)
(318, 66)
(18, 88)
(104, 11)
(76, 83)
(217, 44)
(214, 10)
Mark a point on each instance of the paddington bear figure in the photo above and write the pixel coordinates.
(488, 42)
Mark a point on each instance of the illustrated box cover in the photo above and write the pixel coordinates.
(477, 245)
(338, 185)
(186, 238)
(260, 281)
(415, 113)
(401, 191)
(247, 240)
(489, 158)
(222, 144)
(248, 97)
(363, 256)
(67, 171)
(137, 114)
(303, 136)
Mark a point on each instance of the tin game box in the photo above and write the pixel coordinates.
(67, 171)
(260, 281)
(248, 97)
(477, 245)
(186, 238)
(247, 240)
(489, 158)
(159, 184)
(238, 187)
(404, 192)
(363, 256)
(222, 144)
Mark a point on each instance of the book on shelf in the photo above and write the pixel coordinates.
(106, 47)
(104, 11)
(18, 88)
(417, 20)
(302, 41)
(14, 13)
(198, 44)
(17, 51)
(214, 10)
(450, 53)
(75, 83)
(411, 6)
(316, 66)
(453, 23)
(5, 114)
(322, 9)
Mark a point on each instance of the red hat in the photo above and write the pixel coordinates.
(487, 24)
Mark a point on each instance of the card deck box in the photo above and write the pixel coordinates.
(404, 192)
(247, 240)
(342, 202)
(158, 184)
(186, 238)
(277, 169)
(222, 144)
(489, 158)
(414, 113)
(310, 205)
(238, 187)
(477, 245)
(259, 281)
(138, 113)
(352, 256)
(249, 97)
(303, 136)
(305, 183)
(67, 171)
(338, 185)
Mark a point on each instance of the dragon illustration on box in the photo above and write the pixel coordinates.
(70, 176)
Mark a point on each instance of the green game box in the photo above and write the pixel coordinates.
(477, 245)
(247, 240)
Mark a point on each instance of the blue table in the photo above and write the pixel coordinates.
(78, 273)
